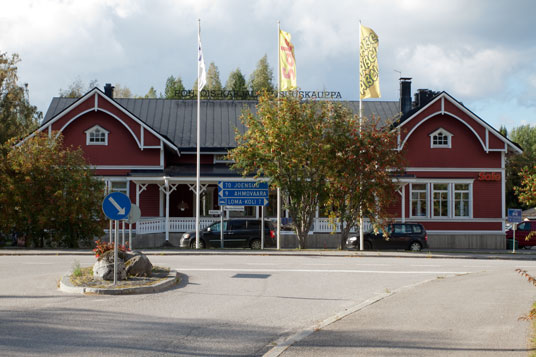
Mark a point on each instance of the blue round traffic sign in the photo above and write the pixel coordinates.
(116, 206)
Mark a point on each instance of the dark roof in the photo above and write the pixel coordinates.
(176, 119)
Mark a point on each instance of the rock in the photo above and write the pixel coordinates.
(104, 267)
(139, 265)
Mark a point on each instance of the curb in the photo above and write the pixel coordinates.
(172, 279)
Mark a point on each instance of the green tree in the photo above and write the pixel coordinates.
(151, 93)
(237, 84)
(213, 78)
(525, 136)
(362, 170)
(284, 142)
(17, 116)
(49, 194)
(262, 78)
(78, 88)
(174, 87)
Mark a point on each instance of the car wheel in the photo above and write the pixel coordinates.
(201, 244)
(415, 246)
(367, 245)
(255, 244)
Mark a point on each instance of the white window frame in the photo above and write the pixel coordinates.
(426, 199)
(443, 133)
(469, 191)
(451, 198)
(433, 200)
(92, 131)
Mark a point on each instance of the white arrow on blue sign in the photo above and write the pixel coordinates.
(116, 206)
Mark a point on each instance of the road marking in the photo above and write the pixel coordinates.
(323, 271)
(425, 265)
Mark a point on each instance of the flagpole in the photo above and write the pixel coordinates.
(361, 235)
(278, 86)
(198, 166)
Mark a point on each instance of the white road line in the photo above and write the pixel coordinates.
(425, 265)
(323, 271)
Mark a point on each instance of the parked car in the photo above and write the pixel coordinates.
(411, 236)
(525, 234)
(237, 233)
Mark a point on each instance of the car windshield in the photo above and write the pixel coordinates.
(216, 227)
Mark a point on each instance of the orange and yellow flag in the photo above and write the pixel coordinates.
(287, 63)
(369, 81)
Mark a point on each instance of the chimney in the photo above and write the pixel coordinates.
(109, 90)
(405, 95)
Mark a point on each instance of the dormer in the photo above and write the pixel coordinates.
(97, 135)
(440, 139)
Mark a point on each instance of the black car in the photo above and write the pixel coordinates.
(237, 233)
(411, 236)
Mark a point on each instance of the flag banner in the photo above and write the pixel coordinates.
(287, 63)
(369, 81)
(201, 73)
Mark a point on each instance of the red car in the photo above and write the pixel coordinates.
(525, 234)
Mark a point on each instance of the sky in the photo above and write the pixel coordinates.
(482, 52)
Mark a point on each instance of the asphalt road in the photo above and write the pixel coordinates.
(276, 305)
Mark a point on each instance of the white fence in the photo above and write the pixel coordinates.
(181, 224)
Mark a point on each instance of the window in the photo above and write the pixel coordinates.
(445, 199)
(461, 200)
(440, 199)
(440, 139)
(419, 200)
(97, 136)
(222, 159)
(119, 186)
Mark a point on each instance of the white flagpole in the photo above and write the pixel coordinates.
(278, 86)
(198, 165)
(361, 235)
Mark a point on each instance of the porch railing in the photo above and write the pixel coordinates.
(187, 224)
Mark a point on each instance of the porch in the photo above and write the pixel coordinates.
(187, 224)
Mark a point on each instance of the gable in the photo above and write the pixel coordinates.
(445, 106)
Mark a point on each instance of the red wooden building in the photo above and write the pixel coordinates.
(146, 148)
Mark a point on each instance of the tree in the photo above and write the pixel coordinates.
(48, 193)
(78, 88)
(237, 84)
(17, 116)
(122, 92)
(213, 78)
(262, 78)
(362, 171)
(151, 93)
(284, 143)
(525, 136)
(174, 87)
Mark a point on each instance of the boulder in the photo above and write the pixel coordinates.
(139, 265)
(103, 268)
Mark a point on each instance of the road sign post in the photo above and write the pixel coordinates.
(116, 206)
(515, 216)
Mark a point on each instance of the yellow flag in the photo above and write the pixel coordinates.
(287, 63)
(369, 81)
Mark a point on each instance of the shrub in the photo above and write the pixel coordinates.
(102, 247)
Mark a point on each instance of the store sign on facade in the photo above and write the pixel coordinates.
(489, 176)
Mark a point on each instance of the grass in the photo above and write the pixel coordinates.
(85, 278)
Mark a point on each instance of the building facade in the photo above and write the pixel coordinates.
(146, 148)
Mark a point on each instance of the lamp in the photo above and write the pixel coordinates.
(183, 206)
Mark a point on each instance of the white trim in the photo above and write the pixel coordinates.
(443, 132)
(93, 129)
(503, 191)
(162, 158)
(96, 91)
(96, 102)
(446, 113)
(468, 113)
(456, 220)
